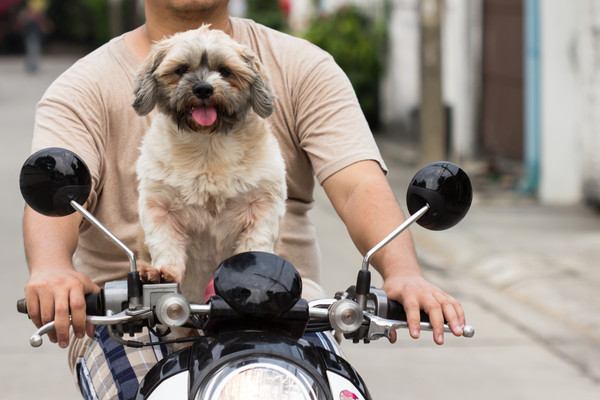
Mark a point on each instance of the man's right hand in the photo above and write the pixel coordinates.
(55, 293)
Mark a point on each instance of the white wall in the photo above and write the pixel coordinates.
(586, 53)
(462, 72)
(401, 86)
(562, 114)
(461, 55)
(301, 12)
(238, 8)
(374, 6)
(570, 86)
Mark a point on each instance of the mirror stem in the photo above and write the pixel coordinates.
(363, 281)
(408, 222)
(87, 215)
(133, 278)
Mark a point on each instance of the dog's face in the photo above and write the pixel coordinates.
(204, 80)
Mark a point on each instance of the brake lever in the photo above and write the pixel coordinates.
(123, 317)
(382, 327)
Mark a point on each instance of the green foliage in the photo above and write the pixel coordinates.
(267, 12)
(357, 43)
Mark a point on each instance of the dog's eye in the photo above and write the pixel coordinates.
(225, 72)
(182, 69)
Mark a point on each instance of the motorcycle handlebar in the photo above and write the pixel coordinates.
(379, 326)
(22, 306)
(396, 312)
(94, 304)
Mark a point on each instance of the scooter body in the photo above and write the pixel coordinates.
(248, 361)
(259, 339)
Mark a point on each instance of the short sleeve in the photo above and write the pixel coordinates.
(331, 127)
(71, 115)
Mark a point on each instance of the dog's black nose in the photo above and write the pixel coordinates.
(203, 90)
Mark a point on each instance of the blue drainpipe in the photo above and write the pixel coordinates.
(533, 98)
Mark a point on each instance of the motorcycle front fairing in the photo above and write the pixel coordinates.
(203, 368)
(255, 343)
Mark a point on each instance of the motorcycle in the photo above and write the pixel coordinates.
(256, 329)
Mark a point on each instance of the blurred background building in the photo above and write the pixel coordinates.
(520, 82)
(518, 79)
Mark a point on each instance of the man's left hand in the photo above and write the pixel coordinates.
(416, 293)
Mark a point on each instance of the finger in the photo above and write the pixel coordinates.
(460, 313)
(33, 307)
(61, 317)
(89, 330)
(393, 336)
(436, 318)
(450, 314)
(89, 286)
(413, 317)
(47, 310)
(77, 306)
(452, 318)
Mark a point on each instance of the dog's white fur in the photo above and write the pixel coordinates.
(205, 195)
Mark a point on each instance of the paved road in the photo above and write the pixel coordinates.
(506, 359)
(25, 373)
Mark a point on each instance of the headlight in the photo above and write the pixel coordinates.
(259, 378)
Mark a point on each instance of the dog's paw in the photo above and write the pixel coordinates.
(171, 273)
(148, 273)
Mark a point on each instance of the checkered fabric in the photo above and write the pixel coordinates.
(104, 369)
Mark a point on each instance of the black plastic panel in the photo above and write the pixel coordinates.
(166, 368)
(258, 284)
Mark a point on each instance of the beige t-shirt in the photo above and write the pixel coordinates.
(317, 122)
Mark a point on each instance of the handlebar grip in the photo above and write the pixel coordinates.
(396, 311)
(22, 306)
(94, 304)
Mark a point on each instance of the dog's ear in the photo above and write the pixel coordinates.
(146, 88)
(262, 96)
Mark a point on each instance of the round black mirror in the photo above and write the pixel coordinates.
(446, 188)
(51, 178)
(258, 284)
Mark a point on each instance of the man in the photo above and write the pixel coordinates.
(317, 122)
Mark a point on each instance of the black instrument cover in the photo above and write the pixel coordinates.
(258, 284)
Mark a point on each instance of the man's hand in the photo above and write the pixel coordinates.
(56, 293)
(55, 290)
(364, 200)
(415, 293)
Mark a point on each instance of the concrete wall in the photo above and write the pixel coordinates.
(587, 66)
(461, 54)
(300, 14)
(462, 72)
(562, 110)
(401, 86)
(570, 87)
(238, 8)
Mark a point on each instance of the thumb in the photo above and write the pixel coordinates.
(88, 285)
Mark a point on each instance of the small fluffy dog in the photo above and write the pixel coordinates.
(211, 175)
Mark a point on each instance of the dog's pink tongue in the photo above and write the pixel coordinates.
(204, 116)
